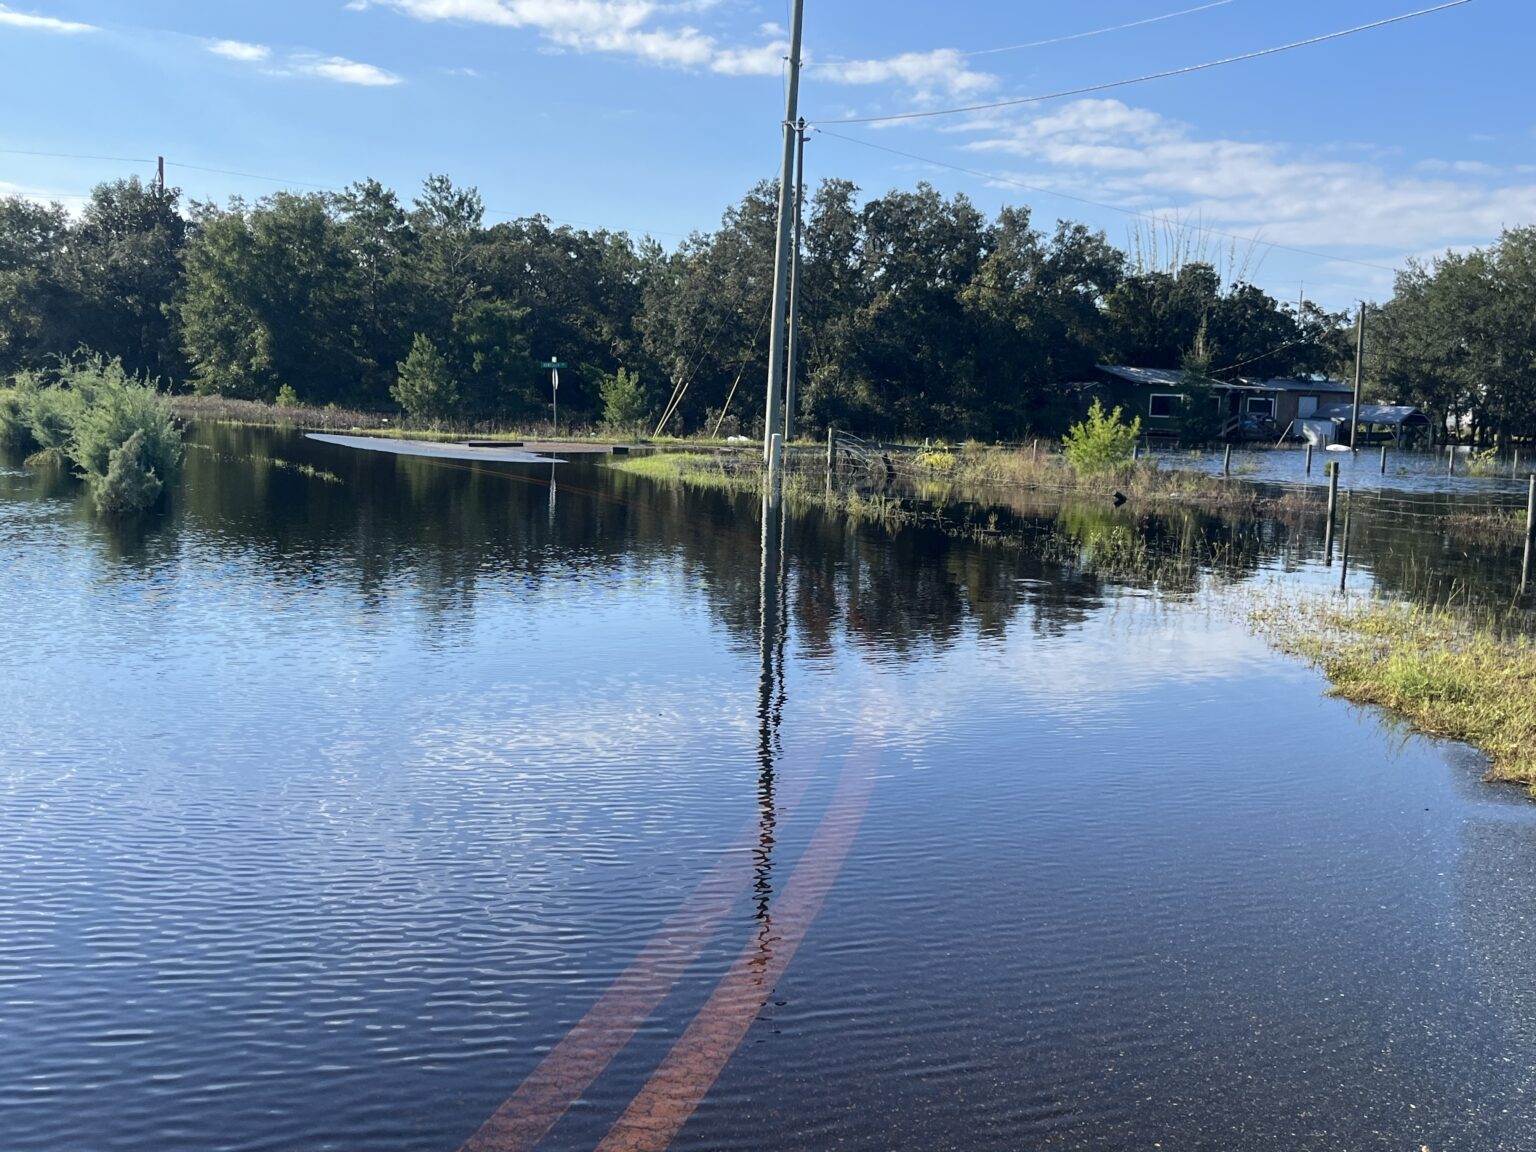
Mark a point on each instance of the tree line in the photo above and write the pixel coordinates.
(919, 314)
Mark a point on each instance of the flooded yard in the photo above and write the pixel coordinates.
(370, 802)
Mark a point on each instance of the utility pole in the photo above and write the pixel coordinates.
(160, 176)
(790, 398)
(780, 306)
(1354, 423)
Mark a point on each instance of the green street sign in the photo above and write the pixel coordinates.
(554, 364)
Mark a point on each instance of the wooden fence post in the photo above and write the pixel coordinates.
(1309, 457)
(1226, 462)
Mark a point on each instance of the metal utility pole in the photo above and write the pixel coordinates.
(1354, 422)
(780, 307)
(790, 398)
(160, 176)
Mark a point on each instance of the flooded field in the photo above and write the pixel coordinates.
(369, 802)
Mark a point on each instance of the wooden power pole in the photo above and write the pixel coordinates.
(780, 305)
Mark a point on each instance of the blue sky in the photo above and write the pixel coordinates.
(654, 115)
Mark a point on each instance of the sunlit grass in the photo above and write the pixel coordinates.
(1446, 673)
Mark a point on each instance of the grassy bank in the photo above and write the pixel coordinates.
(1445, 674)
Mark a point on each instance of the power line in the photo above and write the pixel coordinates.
(1187, 69)
(1155, 219)
(1099, 31)
(75, 156)
(1054, 39)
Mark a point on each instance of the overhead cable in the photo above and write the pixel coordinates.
(1099, 31)
(1109, 84)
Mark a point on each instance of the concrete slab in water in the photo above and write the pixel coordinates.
(435, 450)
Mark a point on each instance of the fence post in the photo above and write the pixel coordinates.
(831, 449)
(1309, 457)
(1226, 462)
(1333, 503)
(1034, 451)
(1383, 459)
(1514, 473)
(1136, 452)
(1530, 535)
(1450, 468)
(1344, 550)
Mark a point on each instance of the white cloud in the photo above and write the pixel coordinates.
(239, 50)
(942, 71)
(11, 18)
(342, 71)
(647, 30)
(335, 68)
(1108, 151)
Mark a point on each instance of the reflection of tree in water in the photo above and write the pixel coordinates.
(443, 532)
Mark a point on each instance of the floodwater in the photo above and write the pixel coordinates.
(1501, 481)
(369, 802)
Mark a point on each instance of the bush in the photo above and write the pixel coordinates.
(287, 397)
(426, 388)
(13, 425)
(116, 429)
(624, 401)
(1101, 442)
(130, 483)
(113, 408)
(48, 412)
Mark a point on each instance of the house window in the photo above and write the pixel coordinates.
(1164, 405)
(1261, 406)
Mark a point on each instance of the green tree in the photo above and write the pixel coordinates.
(624, 401)
(1102, 441)
(425, 387)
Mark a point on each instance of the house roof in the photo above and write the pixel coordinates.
(1160, 377)
(1288, 385)
(1174, 378)
(1392, 415)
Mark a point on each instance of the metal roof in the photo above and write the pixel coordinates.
(1163, 377)
(1174, 378)
(1392, 415)
(1282, 385)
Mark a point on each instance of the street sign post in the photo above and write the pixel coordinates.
(554, 367)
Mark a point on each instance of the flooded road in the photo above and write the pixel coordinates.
(423, 805)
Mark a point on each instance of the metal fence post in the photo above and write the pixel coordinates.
(1530, 535)
(1333, 504)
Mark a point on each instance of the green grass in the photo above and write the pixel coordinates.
(1447, 675)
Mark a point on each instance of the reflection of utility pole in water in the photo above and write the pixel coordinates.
(770, 692)
(551, 493)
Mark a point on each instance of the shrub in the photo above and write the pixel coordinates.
(112, 408)
(49, 413)
(624, 401)
(1102, 441)
(130, 483)
(426, 388)
(13, 425)
(287, 397)
(936, 458)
